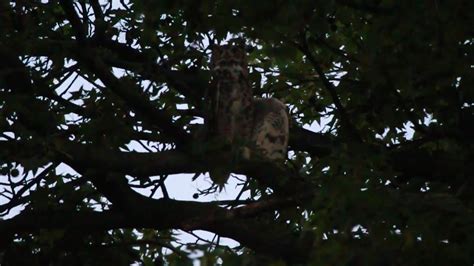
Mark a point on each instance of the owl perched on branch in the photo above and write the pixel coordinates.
(250, 127)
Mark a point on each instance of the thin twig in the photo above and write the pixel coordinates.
(163, 187)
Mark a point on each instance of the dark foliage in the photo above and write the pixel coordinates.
(385, 181)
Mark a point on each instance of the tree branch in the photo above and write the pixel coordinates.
(162, 214)
(77, 26)
(89, 57)
(331, 89)
(17, 198)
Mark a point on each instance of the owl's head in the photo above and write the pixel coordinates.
(229, 62)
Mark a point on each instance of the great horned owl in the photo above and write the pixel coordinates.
(254, 127)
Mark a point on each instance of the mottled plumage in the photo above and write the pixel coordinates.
(253, 126)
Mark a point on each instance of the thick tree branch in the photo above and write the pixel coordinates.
(256, 235)
(142, 212)
(408, 162)
(316, 144)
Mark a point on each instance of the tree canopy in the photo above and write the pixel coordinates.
(380, 94)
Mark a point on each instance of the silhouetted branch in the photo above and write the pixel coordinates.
(330, 88)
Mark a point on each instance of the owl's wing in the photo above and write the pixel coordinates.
(271, 130)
